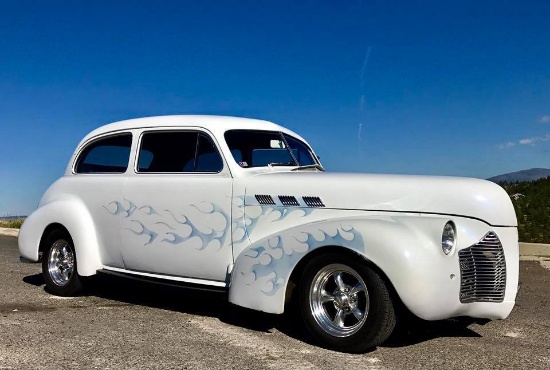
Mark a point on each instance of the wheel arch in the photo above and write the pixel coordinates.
(47, 231)
(297, 272)
(73, 218)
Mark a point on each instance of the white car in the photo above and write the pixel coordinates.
(245, 206)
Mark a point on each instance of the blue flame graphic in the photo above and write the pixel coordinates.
(282, 259)
(144, 231)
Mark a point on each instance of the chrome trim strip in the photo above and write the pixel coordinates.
(169, 277)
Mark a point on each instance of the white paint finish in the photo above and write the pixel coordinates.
(423, 194)
(406, 248)
(261, 271)
(239, 232)
(74, 216)
(189, 230)
(95, 193)
(194, 226)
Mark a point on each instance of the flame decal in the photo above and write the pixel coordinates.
(276, 256)
(246, 220)
(120, 208)
(148, 210)
(209, 228)
(144, 231)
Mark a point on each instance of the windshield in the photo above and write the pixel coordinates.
(252, 148)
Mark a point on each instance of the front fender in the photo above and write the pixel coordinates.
(261, 272)
(74, 216)
(406, 248)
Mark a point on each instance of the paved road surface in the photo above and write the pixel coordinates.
(122, 325)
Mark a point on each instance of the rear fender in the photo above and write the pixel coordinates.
(74, 217)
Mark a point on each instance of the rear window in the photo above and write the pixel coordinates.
(106, 155)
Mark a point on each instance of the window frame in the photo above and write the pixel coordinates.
(92, 141)
(196, 130)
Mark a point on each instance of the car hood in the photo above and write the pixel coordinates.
(458, 196)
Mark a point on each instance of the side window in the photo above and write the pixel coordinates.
(178, 151)
(106, 155)
(167, 151)
(208, 158)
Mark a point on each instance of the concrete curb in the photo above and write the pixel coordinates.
(534, 249)
(9, 232)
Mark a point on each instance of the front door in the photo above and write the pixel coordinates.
(180, 196)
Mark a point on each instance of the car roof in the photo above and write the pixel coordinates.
(215, 124)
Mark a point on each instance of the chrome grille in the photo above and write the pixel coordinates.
(313, 201)
(288, 200)
(483, 271)
(265, 199)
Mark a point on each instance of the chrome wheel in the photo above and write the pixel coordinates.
(61, 262)
(339, 300)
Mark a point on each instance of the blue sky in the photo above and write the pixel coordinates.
(436, 88)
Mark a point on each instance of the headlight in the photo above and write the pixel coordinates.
(448, 237)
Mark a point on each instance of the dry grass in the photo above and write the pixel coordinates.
(12, 224)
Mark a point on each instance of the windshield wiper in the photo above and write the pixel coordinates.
(273, 164)
(310, 166)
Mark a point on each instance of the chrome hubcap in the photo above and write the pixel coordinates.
(61, 262)
(339, 300)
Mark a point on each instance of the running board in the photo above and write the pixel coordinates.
(209, 286)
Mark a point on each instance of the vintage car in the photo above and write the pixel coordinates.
(244, 206)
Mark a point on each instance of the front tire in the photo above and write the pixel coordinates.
(345, 304)
(59, 265)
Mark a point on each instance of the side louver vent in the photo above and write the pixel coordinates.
(313, 201)
(483, 271)
(265, 199)
(288, 200)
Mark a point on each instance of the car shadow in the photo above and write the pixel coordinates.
(36, 279)
(215, 304)
(185, 300)
(416, 330)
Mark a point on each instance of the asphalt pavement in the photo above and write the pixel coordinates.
(119, 324)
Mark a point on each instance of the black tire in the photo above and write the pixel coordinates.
(332, 310)
(59, 265)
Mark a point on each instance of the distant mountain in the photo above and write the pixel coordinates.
(525, 175)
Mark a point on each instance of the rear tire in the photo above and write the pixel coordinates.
(59, 265)
(345, 304)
